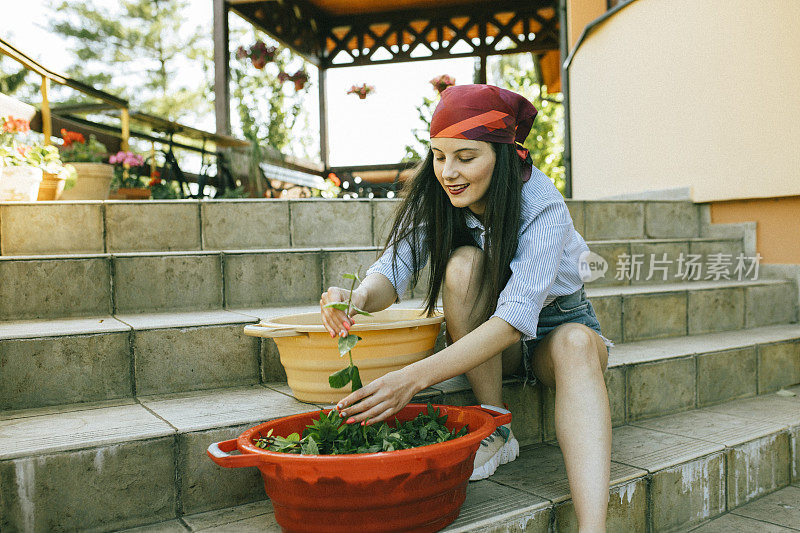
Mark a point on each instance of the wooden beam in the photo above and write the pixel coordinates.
(222, 96)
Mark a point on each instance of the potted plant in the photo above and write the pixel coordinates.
(160, 189)
(29, 170)
(128, 185)
(361, 90)
(93, 175)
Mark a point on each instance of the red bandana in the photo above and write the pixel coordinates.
(485, 113)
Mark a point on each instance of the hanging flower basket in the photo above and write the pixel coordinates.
(417, 489)
(440, 83)
(361, 90)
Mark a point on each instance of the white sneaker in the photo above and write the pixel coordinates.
(497, 449)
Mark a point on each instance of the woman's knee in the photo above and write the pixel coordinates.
(463, 267)
(576, 345)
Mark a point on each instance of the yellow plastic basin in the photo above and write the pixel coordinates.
(390, 340)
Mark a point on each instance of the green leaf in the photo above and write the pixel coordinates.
(310, 447)
(347, 343)
(360, 311)
(355, 377)
(341, 306)
(350, 276)
(339, 379)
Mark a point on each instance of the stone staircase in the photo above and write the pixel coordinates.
(122, 357)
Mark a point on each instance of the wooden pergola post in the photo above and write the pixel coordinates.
(47, 123)
(125, 128)
(324, 150)
(222, 96)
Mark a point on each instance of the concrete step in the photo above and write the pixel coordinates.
(57, 361)
(112, 466)
(99, 284)
(131, 226)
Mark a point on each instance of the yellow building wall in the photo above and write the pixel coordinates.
(698, 94)
(777, 225)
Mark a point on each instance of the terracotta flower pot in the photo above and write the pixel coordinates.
(391, 339)
(93, 182)
(126, 193)
(51, 187)
(418, 489)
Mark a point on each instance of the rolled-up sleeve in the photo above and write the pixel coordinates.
(534, 269)
(399, 274)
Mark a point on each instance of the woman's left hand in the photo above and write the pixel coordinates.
(379, 399)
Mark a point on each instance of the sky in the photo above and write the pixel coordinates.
(370, 131)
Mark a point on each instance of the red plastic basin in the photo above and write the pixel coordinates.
(419, 489)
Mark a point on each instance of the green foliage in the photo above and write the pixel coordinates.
(416, 152)
(516, 72)
(136, 50)
(91, 151)
(12, 76)
(329, 435)
(271, 112)
(349, 374)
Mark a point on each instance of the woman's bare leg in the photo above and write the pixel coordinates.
(460, 292)
(572, 358)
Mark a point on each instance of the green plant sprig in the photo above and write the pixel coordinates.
(349, 374)
(329, 435)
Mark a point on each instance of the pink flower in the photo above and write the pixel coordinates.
(126, 158)
(440, 83)
(361, 90)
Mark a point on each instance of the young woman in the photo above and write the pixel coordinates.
(504, 255)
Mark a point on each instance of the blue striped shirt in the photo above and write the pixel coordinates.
(544, 267)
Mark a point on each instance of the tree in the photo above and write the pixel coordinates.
(516, 72)
(137, 50)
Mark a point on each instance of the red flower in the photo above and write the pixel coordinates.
(155, 181)
(16, 125)
(155, 174)
(71, 137)
(335, 179)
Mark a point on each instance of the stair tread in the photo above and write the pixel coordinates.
(29, 328)
(93, 425)
(199, 410)
(315, 248)
(659, 349)
(643, 288)
(56, 327)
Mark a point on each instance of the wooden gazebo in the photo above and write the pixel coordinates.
(343, 33)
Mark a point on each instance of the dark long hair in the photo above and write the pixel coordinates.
(426, 205)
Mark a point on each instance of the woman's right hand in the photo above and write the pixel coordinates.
(337, 322)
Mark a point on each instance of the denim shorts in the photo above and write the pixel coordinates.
(573, 307)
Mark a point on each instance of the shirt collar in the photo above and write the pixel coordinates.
(471, 220)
